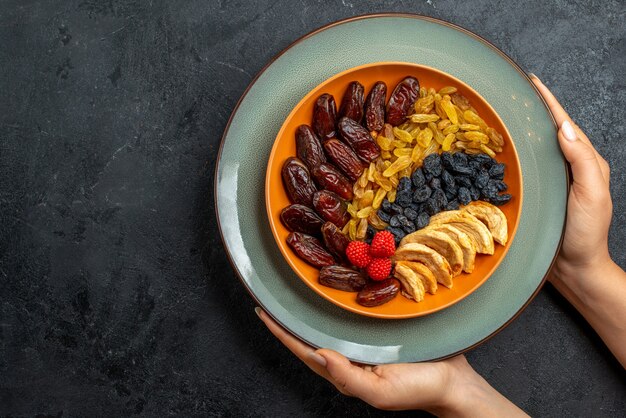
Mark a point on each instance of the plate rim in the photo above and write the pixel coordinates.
(366, 16)
(273, 224)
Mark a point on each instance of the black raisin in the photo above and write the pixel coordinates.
(447, 160)
(435, 183)
(497, 171)
(384, 216)
(450, 195)
(447, 179)
(370, 232)
(422, 194)
(396, 209)
(428, 177)
(481, 179)
(432, 165)
(403, 198)
(417, 207)
(452, 205)
(409, 227)
(464, 196)
(410, 214)
(418, 178)
(398, 221)
(500, 199)
(484, 160)
(386, 205)
(440, 199)
(490, 190)
(422, 220)
(398, 233)
(460, 158)
(474, 192)
(404, 185)
(463, 181)
(501, 185)
(431, 207)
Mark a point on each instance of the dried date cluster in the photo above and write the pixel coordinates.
(444, 182)
(331, 155)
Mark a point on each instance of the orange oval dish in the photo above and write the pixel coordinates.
(285, 146)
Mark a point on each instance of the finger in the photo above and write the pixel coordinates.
(348, 377)
(582, 158)
(560, 115)
(297, 347)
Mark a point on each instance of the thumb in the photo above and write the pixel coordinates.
(581, 157)
(348, 378)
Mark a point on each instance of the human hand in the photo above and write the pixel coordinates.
(584, 251)
(446, 388)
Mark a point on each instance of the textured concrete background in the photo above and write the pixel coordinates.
(116, 296)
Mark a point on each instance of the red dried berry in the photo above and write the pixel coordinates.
(383, 245)
(379, 268)
(358, 253)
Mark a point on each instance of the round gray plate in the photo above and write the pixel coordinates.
(248, 139)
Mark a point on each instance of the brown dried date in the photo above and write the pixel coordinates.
(401, 100)
(342, 278)
(359, 139)
(300, 218)
(375, 107)
(344, 158)
(377, 293)
(310, 249)
(331, 208)
(298, 182)
(352, 102)
(336, 242)
(308, 147)
(328, 177)
(325, 116)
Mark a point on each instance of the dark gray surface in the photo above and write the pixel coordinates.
(116, 295)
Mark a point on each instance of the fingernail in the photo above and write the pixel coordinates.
(568, 131)
(531, 75)
(258, 311)
(317, 358)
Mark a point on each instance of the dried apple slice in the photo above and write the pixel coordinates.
(440, 242)
(492, 217)
(432, 259)
(475, 229)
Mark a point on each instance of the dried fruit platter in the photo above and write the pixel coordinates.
(249, 138)
(393, 147)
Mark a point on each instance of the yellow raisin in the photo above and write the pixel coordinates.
(399, 164)
(447, 90)
(402, 135)
(399, 152)
(448, 107)
(352, 229)
(351, 209)
(364, 213)
(469, 127)
(447, 142)
(383, 142)
(378, 197)
(487, 150)
(425, 137)
(391, 195)
(451, 129)
(366, 199)
(422, 118)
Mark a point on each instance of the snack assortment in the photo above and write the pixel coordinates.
(394, 196)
